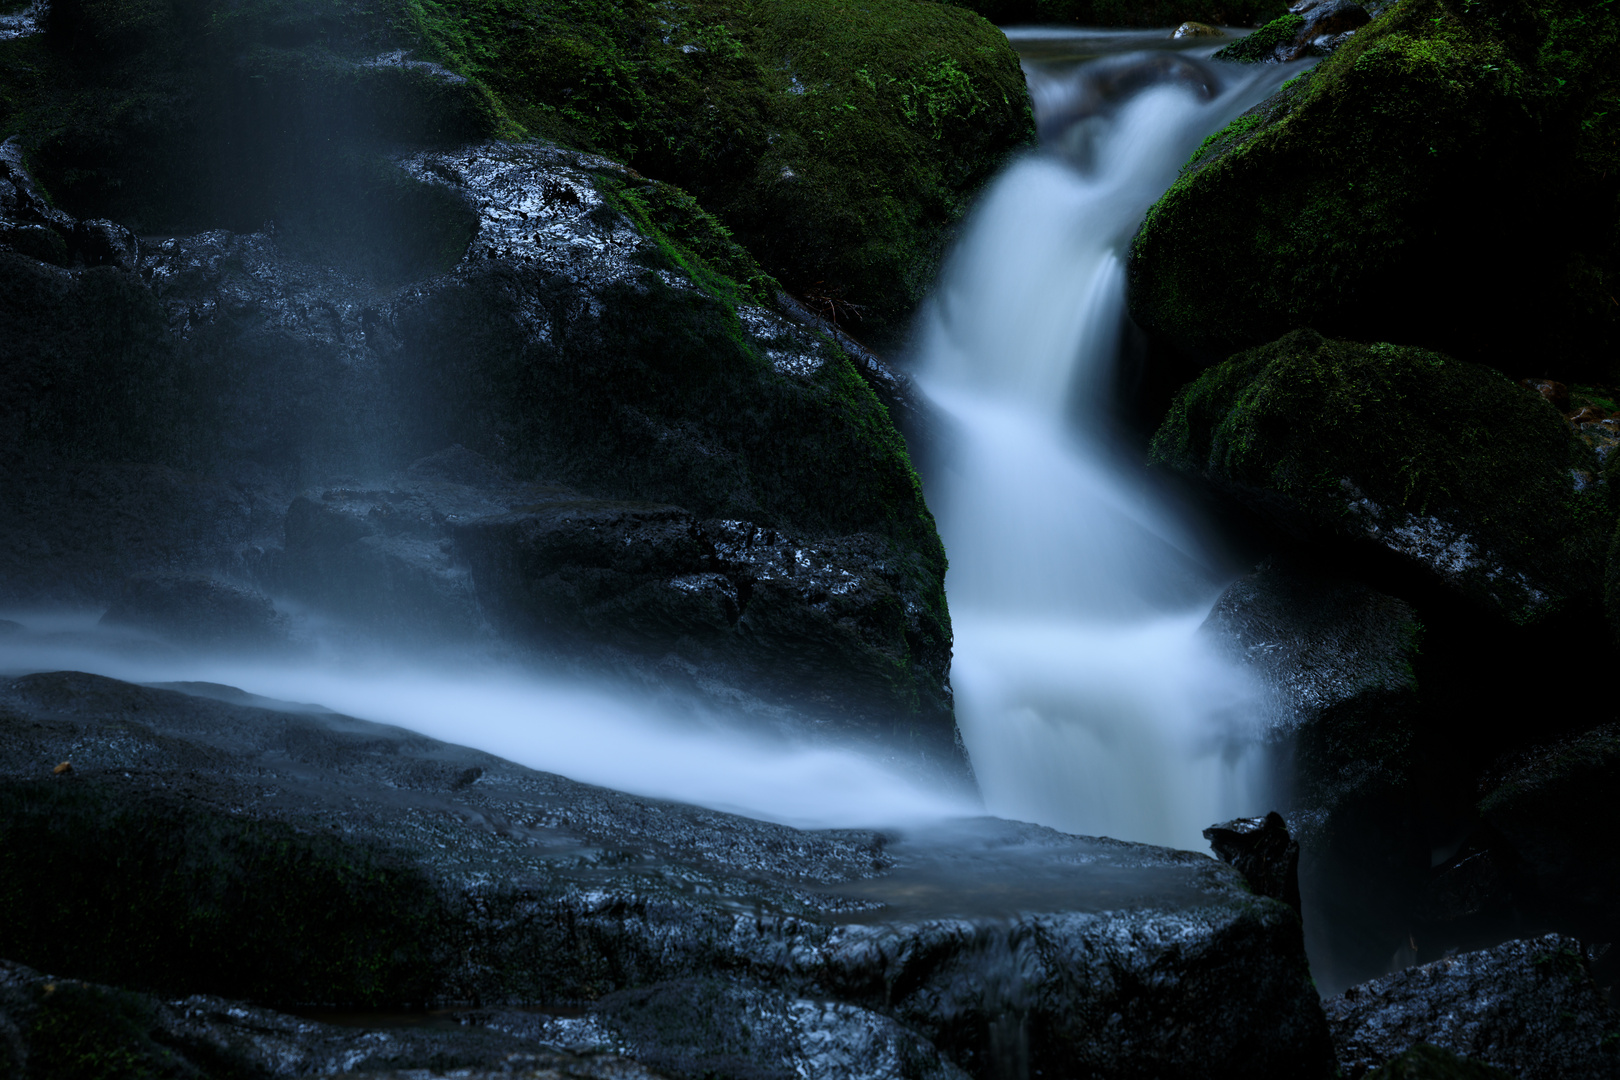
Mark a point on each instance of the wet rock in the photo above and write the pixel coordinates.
(1263, 852)
(1335, 659)
(198, 611)
(831, 627)
(77, 532)
(1528, 1007)
(1444, 465)
(1554, 831)
(1425, 1062)
(1312, 209)
(55, 1024)
(1311, 28)
(304, 856)
(1197, 29)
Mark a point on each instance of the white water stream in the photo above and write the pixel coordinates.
(1083, 694)
(1086, 699)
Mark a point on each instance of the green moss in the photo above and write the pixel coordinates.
(1372, 199)
(1338, 431)
(839, 145)
(158, 896)
(1264, 41)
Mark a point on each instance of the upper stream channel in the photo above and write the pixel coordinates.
(1083, 694)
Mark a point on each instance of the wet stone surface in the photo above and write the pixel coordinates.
(1528, 1007)
(512, 887)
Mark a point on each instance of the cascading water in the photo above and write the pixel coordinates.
(1085, 698)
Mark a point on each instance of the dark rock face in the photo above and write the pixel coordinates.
(1336, 659)
(1425, 1062)
(198, 610)
(61, 1027)
(589, 332)
(1527, 1007)
(1554, 833)
(1350, 201)
(1446, 466)
(304, 856)
(831, 627)
(1263, 852)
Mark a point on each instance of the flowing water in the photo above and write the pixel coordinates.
(1083, 693)
(1085, 697)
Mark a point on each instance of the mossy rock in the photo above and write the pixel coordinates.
(1446, 464)
(1264, 42)
(1128, 12)
(1450, 177)
(840, 145)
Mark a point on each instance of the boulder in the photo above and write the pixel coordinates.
(1263, 852)
(198, 611)
(1527, 1007)
(202, 846)
(841, 146)
(1443, 466)
(835, 629)
(1552, 833)
(56, 1025)
(1425, 1062)
(1335, 660)
(1351, 200)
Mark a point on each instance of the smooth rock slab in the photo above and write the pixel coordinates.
(990, 944)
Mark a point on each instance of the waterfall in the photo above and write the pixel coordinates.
(1085, 697)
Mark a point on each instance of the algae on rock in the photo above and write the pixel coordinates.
(1447, 465)
(1449, 177)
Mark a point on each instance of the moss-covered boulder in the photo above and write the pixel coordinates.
(840, 144)
(1449, 177)
(1446, 465)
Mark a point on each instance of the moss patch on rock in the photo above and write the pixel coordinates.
(1449, 178)
(840, 145)
(1445, 463)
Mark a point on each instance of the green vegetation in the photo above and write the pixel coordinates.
(1260, 44)
(839, 145)
(1349, 437)
(1448, 178)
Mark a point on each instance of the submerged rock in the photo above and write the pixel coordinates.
(307, 857)
(1446, 466)
(1352, 200)
(1529, 1008)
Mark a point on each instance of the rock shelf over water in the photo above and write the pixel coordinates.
(217, 844)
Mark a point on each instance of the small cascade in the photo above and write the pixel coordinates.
(1084, 695)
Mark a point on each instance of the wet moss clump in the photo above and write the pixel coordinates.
(164, 896)
(1445, 462)
(1448, 178)
(1264, 41)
